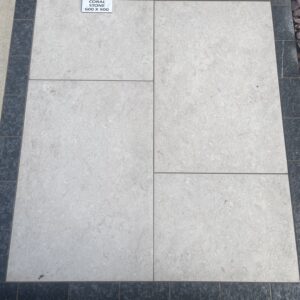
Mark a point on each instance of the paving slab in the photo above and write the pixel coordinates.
(69, 44)
(217, 104)
(84, 198)
(224, 228)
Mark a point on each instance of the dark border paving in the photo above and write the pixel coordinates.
(11, 127)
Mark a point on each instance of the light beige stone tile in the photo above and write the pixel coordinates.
(69, 44)
(217, 105)
(224, 228)
(7, 9)
(84, 198)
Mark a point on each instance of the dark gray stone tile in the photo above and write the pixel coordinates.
(290, 66)
(22, 37)
(17, 75)
(7, 199)
(144, 291)
(11, 123)
(9, 157)
(194, 291)
(281, 2)
(283, 23)
(5, 241)
(292, 138)
(290, 97)
(43, 291)
(7, 196)
(3, 267)
(245, 291)
(285, 291)
(8, 291)
(279, 57)
(91, 291)
(25, 9)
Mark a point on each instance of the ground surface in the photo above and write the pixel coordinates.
(153, 148)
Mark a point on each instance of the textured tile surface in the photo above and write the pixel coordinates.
(84, 199)
(11, 122)
(22, 37)
(283, 23)
(17, 75)
(45, 291)
(290, 61)
(245, 291)
(290, 93)
(9, 154)
(194, 291)
(224, 228)
(91, 291)
(96, 46)
(8, 291)
(25, 9)
(144, 291)
(289, 291)
(292, 138)
(205, 121)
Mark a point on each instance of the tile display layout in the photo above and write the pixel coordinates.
(217, 103)
(83, 214)
(84, 199)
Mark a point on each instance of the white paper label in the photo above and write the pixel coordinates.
(96, 6)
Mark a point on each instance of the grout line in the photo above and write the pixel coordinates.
(153, 145)
(215, 173)
(270, 289)
(93, 80)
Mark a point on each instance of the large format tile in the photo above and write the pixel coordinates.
(95, 46)
(224, 228)
(84, 198)
(217, 104)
